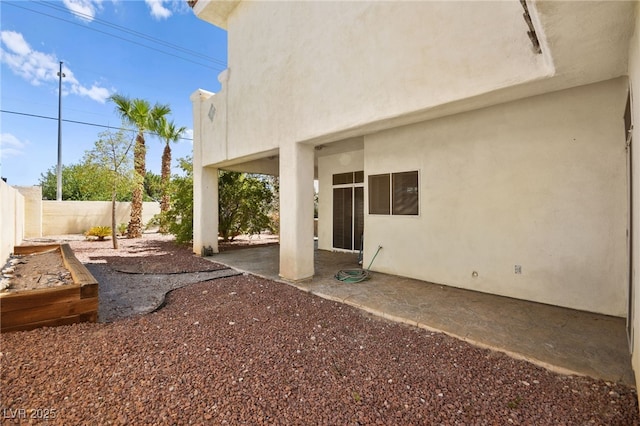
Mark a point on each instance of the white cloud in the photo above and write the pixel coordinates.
(84, 9)
(15, 42)
(11, 146)
(35, 67)
(158, 9)
(188, 134)
(40, 68)
(99, 94)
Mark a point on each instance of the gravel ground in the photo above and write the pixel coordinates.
(244, 350)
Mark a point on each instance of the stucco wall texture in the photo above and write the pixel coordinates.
(75, 217)
(521, 157)
(32, 210)
(304, 85)
(11, 219)
(539, 183)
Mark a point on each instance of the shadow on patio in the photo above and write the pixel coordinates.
(563, 340)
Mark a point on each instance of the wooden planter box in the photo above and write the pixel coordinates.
(67, 304)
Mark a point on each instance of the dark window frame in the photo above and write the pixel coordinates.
(395, 194)
(349, 178)
(348, 187)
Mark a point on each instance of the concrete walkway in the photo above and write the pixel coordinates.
(560, 339)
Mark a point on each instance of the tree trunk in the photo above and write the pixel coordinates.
(165, 174)
(134, 230)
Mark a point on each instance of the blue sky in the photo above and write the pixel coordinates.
(183, 54)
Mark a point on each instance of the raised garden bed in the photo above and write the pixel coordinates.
(51, 306)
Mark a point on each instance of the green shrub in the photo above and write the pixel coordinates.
(180, 214)
(99, 231)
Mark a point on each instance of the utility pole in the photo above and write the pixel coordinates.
(59, 180)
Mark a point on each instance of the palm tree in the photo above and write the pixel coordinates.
(167, 131)
(140, 114)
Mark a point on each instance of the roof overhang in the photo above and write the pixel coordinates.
(215, 11)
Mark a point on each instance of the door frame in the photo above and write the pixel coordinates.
(628, 124)
(353, 185)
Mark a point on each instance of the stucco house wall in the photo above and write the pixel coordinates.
(479, 114)
(539, 182)
(521, 155)
(291, 79)
(12, 219)
(313, 100)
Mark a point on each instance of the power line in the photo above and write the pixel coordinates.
(115, 36)
(78, 122)
(132, 32)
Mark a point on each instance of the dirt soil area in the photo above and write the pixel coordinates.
(152, 254)
(245, 350)
(135, 278)
(38, 270)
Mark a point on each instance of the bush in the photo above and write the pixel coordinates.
(245, 201)
(179, 218)
(98, 231)
(246, 205)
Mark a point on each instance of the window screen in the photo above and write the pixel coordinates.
(395, 193)
(405, 193)
(343, 178)
(347, 178)
(379, 194)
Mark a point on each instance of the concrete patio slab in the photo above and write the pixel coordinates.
(563, 340)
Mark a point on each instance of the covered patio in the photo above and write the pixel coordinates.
(563, 340)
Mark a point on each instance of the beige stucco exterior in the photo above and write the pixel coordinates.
(33, 210)
(521, 156)
(76, 217)
(539, 182)
(12, 219)
(23, 214)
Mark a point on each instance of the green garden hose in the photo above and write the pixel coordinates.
(352, 276)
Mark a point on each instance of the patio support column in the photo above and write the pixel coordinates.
(205, 209)
(205, 181)
(296, 211)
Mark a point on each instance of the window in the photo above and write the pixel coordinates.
(394, 193)
(379, 189)
(405, 193)
(347, 178)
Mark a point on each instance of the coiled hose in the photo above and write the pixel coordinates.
(352, 276)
